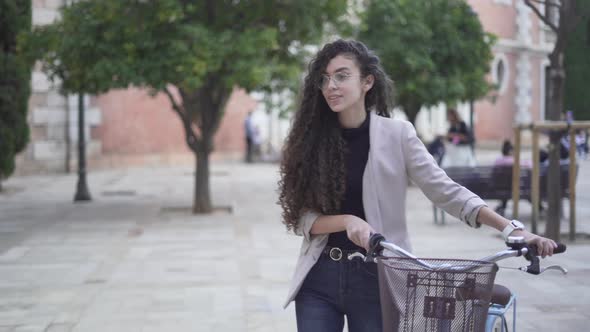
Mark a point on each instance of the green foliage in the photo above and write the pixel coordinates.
(434, 50)
(15, 17)
(203, 48)
(112, 43)
(577, 67)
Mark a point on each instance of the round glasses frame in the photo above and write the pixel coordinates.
(338, 79)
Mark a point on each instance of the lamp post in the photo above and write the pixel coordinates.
(82, 193)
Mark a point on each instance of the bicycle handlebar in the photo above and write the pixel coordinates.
(517, 245)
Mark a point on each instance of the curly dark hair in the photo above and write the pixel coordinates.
(313, 165)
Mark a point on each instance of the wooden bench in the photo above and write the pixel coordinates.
(495, 182)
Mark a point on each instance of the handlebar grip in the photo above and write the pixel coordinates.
(375, 242)
(561, 248)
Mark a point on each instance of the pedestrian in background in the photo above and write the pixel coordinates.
(459, 147)
(582, 143)
(507, 160)
(250, 136)
(256, 144)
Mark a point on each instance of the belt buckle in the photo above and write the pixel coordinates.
(335, 254)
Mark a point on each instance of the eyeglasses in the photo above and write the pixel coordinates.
(338, 78)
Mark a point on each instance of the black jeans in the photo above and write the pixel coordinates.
(334, 290)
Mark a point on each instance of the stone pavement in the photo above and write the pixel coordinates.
(134, 259)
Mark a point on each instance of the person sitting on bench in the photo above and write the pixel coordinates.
(507, 159)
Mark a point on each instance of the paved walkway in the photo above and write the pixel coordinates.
(134, 259)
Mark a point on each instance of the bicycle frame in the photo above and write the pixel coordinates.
(497, 311)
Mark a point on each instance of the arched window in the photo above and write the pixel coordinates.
(500, 72)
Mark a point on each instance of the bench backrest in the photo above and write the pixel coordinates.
(495, 182)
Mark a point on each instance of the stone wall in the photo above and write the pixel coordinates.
(53, 116)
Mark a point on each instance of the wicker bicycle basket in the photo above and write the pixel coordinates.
(455, 296)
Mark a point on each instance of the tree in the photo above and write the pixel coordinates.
(577, 71)
(434, 50)
(195, 52)
(15, 76)
(562, 17)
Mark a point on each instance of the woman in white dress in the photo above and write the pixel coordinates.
(459, 148)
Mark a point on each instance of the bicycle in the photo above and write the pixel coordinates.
(447, 295)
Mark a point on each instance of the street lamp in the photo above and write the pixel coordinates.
(82, 193)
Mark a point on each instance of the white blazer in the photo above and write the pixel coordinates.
(396, 155)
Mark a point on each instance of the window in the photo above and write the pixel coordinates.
(500, 72)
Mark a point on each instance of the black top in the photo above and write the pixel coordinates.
(356, 156)
(461, 128)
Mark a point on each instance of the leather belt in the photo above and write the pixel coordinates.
(336, 254)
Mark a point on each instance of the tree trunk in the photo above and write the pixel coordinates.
(556, 81)
(552, 229)
(269, 143)
(569, 17)
(68, 139)
(202, 197)
(471, 110)
(412, 112)
(204, 108)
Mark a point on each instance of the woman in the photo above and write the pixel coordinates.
(344, 176)
(459, 150)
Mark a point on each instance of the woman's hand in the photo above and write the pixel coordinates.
(488, 217)
(544, 245)
(359, 231)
